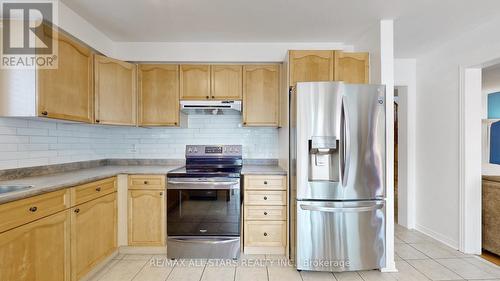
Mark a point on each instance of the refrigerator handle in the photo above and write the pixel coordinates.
(346, 143)
(342, 209)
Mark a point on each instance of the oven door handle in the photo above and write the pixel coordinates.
(202, 185)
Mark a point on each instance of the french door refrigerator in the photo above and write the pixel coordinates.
(337, 150)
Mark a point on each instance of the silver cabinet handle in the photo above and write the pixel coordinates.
(341, 210)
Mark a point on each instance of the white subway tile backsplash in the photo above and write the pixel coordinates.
(32, 132)
(40, 142)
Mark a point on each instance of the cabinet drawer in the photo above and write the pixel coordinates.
(265, 234)
(146, 182)
(14, 214)
(257, 197)
(265, 212)
(265, 183)
(84, 193)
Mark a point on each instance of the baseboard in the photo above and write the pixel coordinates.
(148, 250)
(437, 236)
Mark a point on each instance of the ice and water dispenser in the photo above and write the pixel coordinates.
(324, 158)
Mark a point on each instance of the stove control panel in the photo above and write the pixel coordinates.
(213, 150)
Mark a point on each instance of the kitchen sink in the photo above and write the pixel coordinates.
(13, 188)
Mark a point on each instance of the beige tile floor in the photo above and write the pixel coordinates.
(418, 258)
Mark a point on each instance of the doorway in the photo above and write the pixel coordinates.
(490, 156)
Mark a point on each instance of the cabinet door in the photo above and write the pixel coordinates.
(93, 234)
(66, 92)
(115, 92)
(261, 95)
(158, 95)
(311, 66)
(352, 67)
(227, 82)
(195, 82)
(146, 217)
(37, 251)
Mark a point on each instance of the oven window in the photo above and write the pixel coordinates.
(203, 212)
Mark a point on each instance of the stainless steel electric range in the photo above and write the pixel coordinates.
(204, 203)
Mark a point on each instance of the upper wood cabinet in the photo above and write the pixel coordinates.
(158, 95)
(93, 234)
(39, 250)
(66, 92)
(306, 66)
(195, 81)
(115, 92)
(227, 82)
(352, 67)
(261, 85)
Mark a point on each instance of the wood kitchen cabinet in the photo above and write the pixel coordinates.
(227, 81)
(327, 65)
(352, 67)
(93, 234)
(261, 85)
(146, 210)
(195, 81)
(115, 91)
(39, 250)
(311, 65)
(158, 95)
(265, 215)
(66, 92)
(146, 218)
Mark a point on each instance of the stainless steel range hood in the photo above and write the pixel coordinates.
(211, 107)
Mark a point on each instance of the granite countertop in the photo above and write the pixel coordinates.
(52, 182)
(262, 170)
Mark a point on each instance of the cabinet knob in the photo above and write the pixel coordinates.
(265, 233)
(265, 182)
(265, 197)
(45, 113)
(265, 213)
(208, 97)
(98, 189)
(146, 182)
(77, 210)
(213, 96)
(161, 193)
(244, 123)
(175, 123)
(33, 209)
(97, 121)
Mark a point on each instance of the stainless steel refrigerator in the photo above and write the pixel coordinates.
(337, 153)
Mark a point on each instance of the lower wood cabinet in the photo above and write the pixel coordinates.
(146, 218)
(37, 251)
(93, 234)
(265, 221)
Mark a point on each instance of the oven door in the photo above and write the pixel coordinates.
(203, 207)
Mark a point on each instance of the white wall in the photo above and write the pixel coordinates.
(83, 30)
(405, 75)
(216, 52)
(437, 137)
(26, 143)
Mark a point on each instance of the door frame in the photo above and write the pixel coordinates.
(470, 154)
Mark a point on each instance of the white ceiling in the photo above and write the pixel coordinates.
(419, 24)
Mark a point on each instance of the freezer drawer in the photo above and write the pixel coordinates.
(340, 236)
